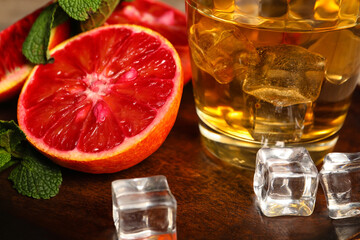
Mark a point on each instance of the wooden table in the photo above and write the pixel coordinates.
(215, 200)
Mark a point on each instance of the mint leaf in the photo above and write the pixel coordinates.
(11, 136)
(79, 9)
(59, 17)
(8, 164)
(36, 176)
(5, 157)
(99, 17)
(35, 47)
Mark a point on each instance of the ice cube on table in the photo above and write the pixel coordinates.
(285, 181)
(144, 208)
(221, 50)
(340, 180)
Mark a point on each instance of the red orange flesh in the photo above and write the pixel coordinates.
(108, 101)
(14, 67)
(160, 17)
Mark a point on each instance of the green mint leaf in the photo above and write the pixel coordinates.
(8, 164)
(60, 17)
(35, 47)
(99, 17)
(5, 157)
(36, 176)
(11, 136)
(79, 9)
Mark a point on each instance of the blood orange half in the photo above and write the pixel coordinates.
(166, 20)
(14, 68)
(107, 102)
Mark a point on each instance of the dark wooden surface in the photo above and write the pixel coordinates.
(215, 200)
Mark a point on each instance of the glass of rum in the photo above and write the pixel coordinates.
(272, 73)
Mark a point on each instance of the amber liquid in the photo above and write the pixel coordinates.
(267, 75)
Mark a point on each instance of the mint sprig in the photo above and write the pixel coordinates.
(10, 136)
(35, 175)
(5, 157)
(80, 9)
(90, 13)
(99, 17)
(36, 45)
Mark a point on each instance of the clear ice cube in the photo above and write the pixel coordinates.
(342, 60)
(340, 179)
(221, 50)
(144, 208)
(283, 85)
(285, 181)
(270, 123)
(286, 75)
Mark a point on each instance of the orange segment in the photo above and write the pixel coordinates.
(107, 102)
(14, 68)
(160, 17)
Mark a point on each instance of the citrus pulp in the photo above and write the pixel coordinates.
(162, 18)
(107, 102)
(14, 68)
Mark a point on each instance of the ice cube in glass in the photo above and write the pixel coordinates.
(285, 181)
(144, 208)
(268, 122)
(280, 90)
(221, 50)
(340, 180)
(286, 75)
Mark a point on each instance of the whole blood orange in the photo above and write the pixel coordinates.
(166, 20)
(107, 102)
(14, 68)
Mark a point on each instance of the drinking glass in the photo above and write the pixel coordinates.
(272, 73)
